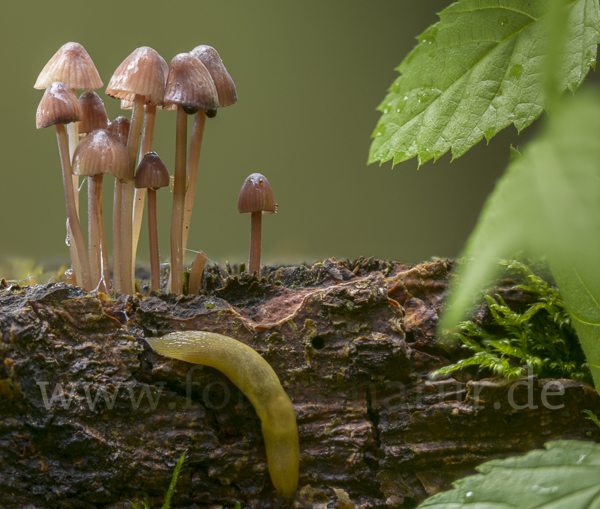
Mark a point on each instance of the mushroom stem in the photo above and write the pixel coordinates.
(153, 235)
(255, 241)
(94, 234)
(75, 262)
(133, 144)
(192, 172)
(97, 235)
(117, 235)
(178, 203)
(140, 193)
(67, 173)
(73, 135)
(105, 266)
(196, 273)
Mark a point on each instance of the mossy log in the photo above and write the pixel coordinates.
(91, 417)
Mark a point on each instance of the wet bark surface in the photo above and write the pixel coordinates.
(91, 417)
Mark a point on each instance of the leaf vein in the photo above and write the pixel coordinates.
(498, 8)
(586, 288)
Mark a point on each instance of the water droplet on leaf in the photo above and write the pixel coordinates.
(503, 20)
(423, 95)
(429, 36)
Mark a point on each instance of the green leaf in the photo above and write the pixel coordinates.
(478, 70)
(565, 475)
(547, 203)
(579, 286)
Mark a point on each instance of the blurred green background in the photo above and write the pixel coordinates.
(309, 77)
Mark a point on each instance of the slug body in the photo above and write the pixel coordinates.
(257, 380)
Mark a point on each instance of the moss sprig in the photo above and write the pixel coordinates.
(539, 337)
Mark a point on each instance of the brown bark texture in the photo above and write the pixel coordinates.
(91, 417)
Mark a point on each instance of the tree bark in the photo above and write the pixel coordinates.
(91, 417)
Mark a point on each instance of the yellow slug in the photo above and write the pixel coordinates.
(257, 380)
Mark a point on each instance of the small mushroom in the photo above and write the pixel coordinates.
(120, 127)
(191, 88)
(94, 114)
(152, 174)
(59, 106)
(72, 66)
(139, 78)
(256, 198)
(98, 153)
(227, 96)
(146, 146)
(223, 82)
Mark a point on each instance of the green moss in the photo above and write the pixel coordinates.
(539, 337)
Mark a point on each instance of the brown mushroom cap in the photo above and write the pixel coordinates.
(94, 114)
(128, 105)
(190, 85)
(223, 82)
(152, 172)
(58, 106)
(101, 152)
(120, 127)
(72, 66)
(256, 195)
(141, 73)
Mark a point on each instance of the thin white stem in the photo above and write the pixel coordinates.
(117, 236)
(73, 135)
(153, 236)
(255, 242)
(63, 149)
(192, 172)
(178, 203)
(94, 235)
(140, 193)
(133, 144)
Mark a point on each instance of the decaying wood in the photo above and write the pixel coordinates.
(91, 417)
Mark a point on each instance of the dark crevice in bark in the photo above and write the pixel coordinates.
(372, 460)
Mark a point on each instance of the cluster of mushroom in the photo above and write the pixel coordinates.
(195, 83)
